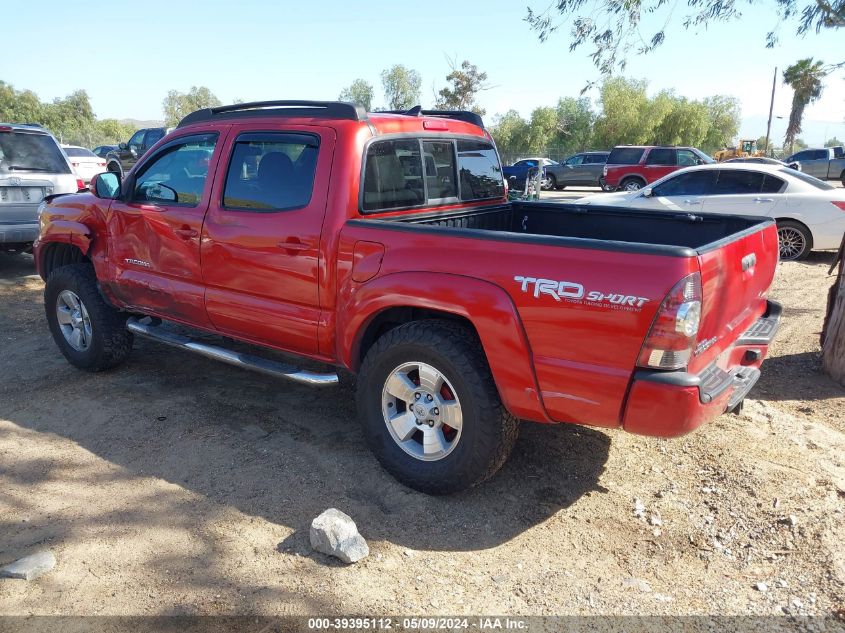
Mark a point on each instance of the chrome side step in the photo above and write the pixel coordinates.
(246, 361)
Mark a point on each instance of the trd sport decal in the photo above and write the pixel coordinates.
(572, 292)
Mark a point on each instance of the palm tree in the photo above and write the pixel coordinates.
(805, 77)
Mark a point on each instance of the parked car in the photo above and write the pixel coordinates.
(32, 166)
(631, 167)
(84, 162)
(765, 160)
(126, 155)
(810, 213)
(579, 170)
(821, 163)
(103, 150)
(449, 303)
(517, 173)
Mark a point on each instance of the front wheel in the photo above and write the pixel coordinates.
(90, 334)
(794, 240)
(429, 408)
(549, 184)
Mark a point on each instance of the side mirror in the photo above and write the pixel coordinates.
(122, 146)
(648, 192)
(105, 185)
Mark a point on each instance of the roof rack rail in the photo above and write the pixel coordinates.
(459, 115)
(314, 109)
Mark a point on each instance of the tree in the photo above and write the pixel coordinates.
(360, 93)
(575, 119)
(834, 142)
(805, 77)
(613, 29)
(686, 123)
(401, 87)
(511, 133)
(725, 116)
(467, 81)
(833, 332)
(22, 106)
(177, 105)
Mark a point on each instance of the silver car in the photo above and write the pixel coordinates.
(32, 165)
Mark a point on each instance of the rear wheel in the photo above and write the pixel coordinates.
(842, 177)
(430, 410)
(632, 184)
(794, 240)
(90, 334)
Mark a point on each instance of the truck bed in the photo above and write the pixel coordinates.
(595, 227)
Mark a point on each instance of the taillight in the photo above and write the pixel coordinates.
(101, 164)
(840, 204)
(75, 164)
(673, 332)
(604, 171)
(79, 184)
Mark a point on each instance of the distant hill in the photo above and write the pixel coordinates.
(138, 124)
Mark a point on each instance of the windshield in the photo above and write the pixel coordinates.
(79, 152)
(810, 180)
(28, 152)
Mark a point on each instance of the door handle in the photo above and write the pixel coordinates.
(691, 201)
(293, 244)
(185, 233)
(764, 200)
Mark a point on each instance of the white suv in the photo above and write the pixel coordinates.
(32, 166)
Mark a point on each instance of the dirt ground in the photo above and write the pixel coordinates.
(176, 485)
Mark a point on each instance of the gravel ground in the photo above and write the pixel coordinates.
(175, 485)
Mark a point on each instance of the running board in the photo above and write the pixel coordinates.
(246, 361)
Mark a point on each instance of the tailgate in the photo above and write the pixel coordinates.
(735, 277)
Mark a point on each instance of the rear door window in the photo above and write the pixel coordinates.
(772, 184)
(738, 182)
(480, 171)
(661, 156)
(625, 155)
(271, 171)
(595, 159)
(25, 152)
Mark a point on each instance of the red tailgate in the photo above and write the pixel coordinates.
(735, 278)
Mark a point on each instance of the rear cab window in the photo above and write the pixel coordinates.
(28, 152)
(429, 171)
(625, 155)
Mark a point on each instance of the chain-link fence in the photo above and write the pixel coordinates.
(555, 153)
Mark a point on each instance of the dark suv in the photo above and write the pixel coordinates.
(126, 155)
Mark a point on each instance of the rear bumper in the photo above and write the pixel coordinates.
(18, 232)
(669, 404)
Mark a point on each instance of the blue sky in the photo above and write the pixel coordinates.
(127, 56)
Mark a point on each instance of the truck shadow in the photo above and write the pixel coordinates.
(795, 377)
(280, 451)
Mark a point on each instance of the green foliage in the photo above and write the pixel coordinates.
(401, 87)
(834, 142)
(360, 93)
(628, 116)
(177, 105)
(805, 77)
(613, 28)
(467, 81)
(71, 120)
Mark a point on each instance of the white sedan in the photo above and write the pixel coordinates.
(810, 213)
(86, 164)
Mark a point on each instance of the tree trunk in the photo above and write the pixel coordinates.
(833, 333)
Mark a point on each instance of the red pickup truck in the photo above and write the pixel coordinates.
(384, 244)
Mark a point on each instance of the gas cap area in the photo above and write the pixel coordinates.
(366, 260)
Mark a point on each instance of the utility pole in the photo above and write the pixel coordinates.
(771, 108)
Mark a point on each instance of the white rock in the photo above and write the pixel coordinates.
(636, 583)
(30, 567)
(655, 519)
(761, 587)
(335, 533)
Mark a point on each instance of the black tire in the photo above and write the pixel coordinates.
(794, 250)
(631, 184)
(488, 431)
(110, 342)
(842, 177)
(551, 183)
